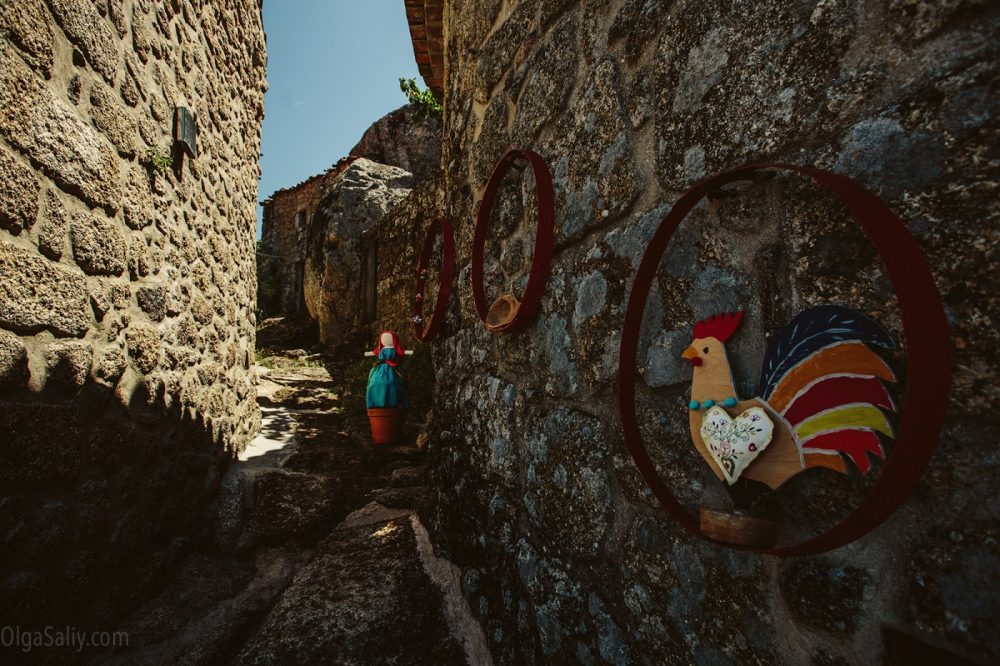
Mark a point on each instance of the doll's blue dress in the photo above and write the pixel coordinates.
(386, 386)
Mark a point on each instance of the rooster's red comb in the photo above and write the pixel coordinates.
(720, 326)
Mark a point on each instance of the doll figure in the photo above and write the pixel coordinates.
(386, 385)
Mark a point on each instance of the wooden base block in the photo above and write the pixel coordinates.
(738, 530)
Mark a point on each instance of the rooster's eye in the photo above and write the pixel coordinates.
(705, 350)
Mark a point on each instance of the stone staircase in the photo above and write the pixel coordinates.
(315, 553)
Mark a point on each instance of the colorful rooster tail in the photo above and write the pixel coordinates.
(821, 376)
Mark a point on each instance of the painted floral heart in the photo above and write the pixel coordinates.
(734, 443)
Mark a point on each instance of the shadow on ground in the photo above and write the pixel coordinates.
(281, 577)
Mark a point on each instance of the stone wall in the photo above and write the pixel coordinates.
(400, 139)
(341, 271)
(287, 214)
(126, 295)
(397, 240)
(566, 556)
(396, 139)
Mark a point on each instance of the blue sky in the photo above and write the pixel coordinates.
(333, 68)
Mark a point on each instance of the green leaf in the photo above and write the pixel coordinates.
(425, 103)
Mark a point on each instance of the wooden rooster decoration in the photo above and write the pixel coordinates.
(820, 396)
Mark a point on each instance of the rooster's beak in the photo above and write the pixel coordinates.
(691, 354)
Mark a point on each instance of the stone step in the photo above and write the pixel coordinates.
(405, 477)
(374, 594)
(202, 617)
(402, 498)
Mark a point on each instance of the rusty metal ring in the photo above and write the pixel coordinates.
(544, 241)
(426, 333)
(928, 353)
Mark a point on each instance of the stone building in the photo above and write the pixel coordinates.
(398, 139)
(565, 553)
(127, 309)
(126, 291)
(342, 262)
(281, 259)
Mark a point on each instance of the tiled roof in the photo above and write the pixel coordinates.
(339, 168)
(427, 34)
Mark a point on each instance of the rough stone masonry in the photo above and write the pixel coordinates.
(566, 556)
(398, 139)
(126, 292)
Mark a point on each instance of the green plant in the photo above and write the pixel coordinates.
(268, 284)
(157, 161)
(426, 104)
(356, 375)
(275, 360)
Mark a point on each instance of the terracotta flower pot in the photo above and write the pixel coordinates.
(387, 424)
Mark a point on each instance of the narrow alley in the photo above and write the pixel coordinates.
(433, 332)
(315, 551)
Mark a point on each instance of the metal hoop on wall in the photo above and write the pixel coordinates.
(426, 333)
(524, 312)
(928, 353)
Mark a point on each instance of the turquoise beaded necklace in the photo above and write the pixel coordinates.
(728, 402)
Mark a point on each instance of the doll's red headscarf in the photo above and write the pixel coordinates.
(400, 352)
